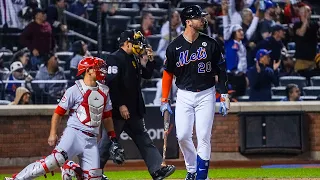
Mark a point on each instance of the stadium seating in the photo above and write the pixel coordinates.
(185, 3)
(7, 57)
(132, 12)
(64, 59)
(137, 20)
(104, 54)
(309, 98)
(134, 26)
(298, 80)
(291, 46)
(315, 81)
(117, 23)
(156, 11)
(4, 102)
(277, 98)
(153, 40)
(149, 95)
(312, 90)
(243, 98)
(279, 91)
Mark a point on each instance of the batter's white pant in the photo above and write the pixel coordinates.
(198, 107)
(76, 143)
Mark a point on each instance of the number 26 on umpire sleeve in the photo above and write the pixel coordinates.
(204, 67)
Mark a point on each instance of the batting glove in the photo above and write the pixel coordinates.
(224, 104)
(165, 107)
(116, 152)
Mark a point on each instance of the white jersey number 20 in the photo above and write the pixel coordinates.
(204, 67)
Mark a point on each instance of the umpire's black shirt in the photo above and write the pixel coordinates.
(124, 77)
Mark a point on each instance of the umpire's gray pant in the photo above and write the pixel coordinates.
(135, 128)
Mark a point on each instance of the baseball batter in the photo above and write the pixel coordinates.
(89, 105)
(195, 59)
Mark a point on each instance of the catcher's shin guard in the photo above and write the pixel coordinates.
(54, 160)
(92, 174)
(71, 170)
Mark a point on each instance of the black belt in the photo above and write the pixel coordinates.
(86, 133)
(198, 90)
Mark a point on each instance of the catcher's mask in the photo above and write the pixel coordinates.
(97, 64)
(136, 38)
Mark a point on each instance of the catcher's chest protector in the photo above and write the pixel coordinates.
(91, 109)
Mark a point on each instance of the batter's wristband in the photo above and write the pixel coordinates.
(111, 134)
(164, 100)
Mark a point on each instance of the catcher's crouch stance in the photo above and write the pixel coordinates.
(89, 104)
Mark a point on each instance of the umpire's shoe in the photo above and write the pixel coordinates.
(191, 176)
(104, 177)
(163, 172)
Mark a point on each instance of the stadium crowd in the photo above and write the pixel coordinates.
(36, 43)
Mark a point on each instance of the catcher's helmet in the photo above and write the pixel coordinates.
(95, 63)
(192, 12)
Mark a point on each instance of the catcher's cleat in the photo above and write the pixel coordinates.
(163, 172)
(8, 178)
(191, 176)
(104, 177)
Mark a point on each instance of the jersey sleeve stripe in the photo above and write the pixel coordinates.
(59, 110)
(107, 114)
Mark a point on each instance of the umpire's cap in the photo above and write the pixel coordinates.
(191, 12)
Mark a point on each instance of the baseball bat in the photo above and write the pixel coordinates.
(166, 119)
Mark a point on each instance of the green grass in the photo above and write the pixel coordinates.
(216, 173)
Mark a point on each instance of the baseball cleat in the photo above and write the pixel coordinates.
(104, 177)
(163, 172)
(8, 178)
(191, 176)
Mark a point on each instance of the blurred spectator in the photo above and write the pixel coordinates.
(38, 37)
(51, 71)
(157, 99)
(291, 12)
(261, 77)
(267, 22)
(176, 29)
(220, 40)
(212, 28)
(306, 41)
(236, 54)
(234, 10)
(79, 49)
(22, 97)
(23, 57)
(58, 21)
(26, 14)
(147, 24)
(273, 43)
(78, 8)
(247, 20)
(4, 72)
(106, 10)
(287, 68)
(279, 16)
(16, 73)
(292, 93)
(9, 11)
(313, 71)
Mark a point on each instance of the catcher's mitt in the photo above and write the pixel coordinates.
(116, 152)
